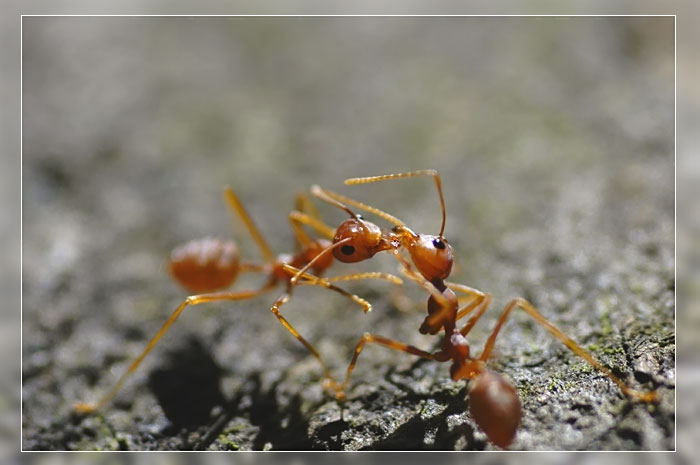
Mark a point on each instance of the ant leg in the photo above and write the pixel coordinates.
(302, 238)
(429, 172)
(276, 311)
(319, 226)
(304, 204)
(297, 219)
(235, 204)
(364, 275)
(398, 298)
(477, 298)
(482, 304)
(82, 407)
(307, 214)
(466, 290)
(310, 279)
(285, 298)
(326, 282)
(375, 339)
(566, 340)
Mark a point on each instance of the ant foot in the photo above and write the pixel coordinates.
(647, 397)
(333, 387)
(84, 408)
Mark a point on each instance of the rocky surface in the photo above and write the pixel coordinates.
(554, 140)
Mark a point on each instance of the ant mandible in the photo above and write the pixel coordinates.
(206, 266)
(493, 401)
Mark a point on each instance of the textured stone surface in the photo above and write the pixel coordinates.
(554, 139)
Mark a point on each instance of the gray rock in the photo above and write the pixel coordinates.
(554, 139)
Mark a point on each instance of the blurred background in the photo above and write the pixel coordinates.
(554, 138)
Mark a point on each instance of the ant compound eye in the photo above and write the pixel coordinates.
(347, 250)
(438, 243)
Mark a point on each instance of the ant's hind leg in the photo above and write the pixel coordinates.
(566, 340)
(82, 407)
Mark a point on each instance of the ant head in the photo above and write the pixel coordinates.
(432, 255)
(362, 239)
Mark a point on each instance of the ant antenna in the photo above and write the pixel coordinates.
(323, 195)
(410, 174)
(340, 201)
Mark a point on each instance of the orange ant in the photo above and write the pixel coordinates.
(493, 401)
(206, 266)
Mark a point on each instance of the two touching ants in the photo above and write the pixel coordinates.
(206, 266)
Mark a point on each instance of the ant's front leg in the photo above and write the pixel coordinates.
(309, 279)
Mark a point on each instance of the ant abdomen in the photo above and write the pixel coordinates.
(494, 406)
(205, 265)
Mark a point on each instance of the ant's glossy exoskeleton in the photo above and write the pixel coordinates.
(493, 401)
(206, 266)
